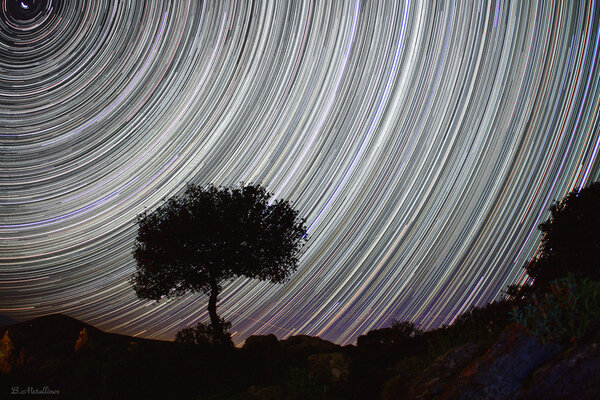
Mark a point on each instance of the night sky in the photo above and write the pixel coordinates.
(422, 141)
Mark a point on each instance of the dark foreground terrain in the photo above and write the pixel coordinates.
(60, 357)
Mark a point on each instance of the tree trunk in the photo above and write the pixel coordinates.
(215, 321)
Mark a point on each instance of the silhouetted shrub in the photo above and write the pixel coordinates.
(571, 240)
(202, 334)
(405, 329)
(478, 325)
(569, 311)
(397, 334)
(479, 322)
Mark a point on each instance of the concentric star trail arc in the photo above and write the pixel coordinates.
(422, 141)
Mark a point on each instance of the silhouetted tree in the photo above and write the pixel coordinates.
(197, 241)
(571, 241)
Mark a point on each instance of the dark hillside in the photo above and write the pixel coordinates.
(457, 362)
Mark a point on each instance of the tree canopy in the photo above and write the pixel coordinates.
(208, 235)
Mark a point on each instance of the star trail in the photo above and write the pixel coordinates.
(422, 141)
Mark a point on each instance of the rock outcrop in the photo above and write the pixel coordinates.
(504, 369)
(516, 367)
(443, 372)
(262, 343)
(304, 344)
(573, 374)
(332, 369)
